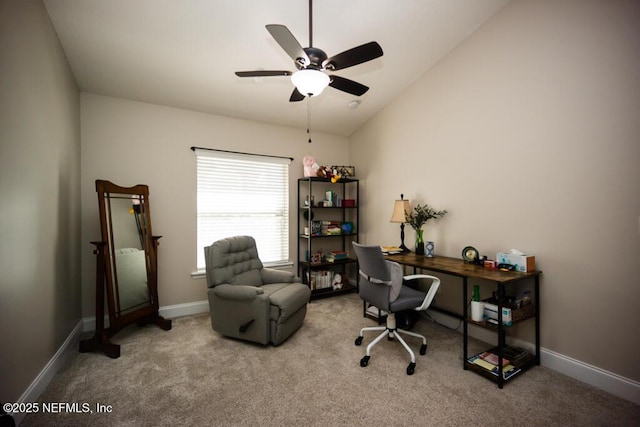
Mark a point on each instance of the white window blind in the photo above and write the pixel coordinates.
(243, 194)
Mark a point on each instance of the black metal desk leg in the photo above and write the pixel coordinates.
(464, 323)
(537, 319)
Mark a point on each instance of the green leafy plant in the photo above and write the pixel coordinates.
(421, 214)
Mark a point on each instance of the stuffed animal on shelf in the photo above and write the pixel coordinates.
(310, 166)
(337, 282)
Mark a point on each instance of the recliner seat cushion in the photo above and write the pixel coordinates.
(286, 299)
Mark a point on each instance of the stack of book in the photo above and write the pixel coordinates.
(320, 279)
(331, 227)
(518, 356)
(489, 361)
(334, 256)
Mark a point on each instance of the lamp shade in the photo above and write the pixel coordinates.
(310, 82)
(399, 210)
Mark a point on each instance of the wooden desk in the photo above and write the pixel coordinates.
(457, 267)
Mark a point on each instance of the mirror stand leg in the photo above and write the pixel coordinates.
(99, 342)
(156, 319)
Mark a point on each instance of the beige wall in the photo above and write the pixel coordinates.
(528, 134)
(132, 143)
(40, 196)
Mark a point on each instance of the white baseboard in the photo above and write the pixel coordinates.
(589, 374)
(168, 312)
(45, 376)
(188, 309)
(599, 378)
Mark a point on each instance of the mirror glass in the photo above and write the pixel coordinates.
(128, 237)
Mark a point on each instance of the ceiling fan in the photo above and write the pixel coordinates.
(312, 64)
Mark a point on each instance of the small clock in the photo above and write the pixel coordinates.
(469, 254)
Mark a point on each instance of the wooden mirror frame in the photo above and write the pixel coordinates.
(107, 280)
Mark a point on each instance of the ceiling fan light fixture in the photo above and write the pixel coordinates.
(310, 82)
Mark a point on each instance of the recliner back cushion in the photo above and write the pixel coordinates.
(233, 260)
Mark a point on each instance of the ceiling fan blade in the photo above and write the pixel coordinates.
(288, 42)
(354, 56)
(262, 73)
(348, 86)
(296, 96)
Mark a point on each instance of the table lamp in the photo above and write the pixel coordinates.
(401, 206)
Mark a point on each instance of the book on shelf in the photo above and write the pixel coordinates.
(320, 279)
(517, 356)
(334, 256)
(508, 370)
(493, 358)
(391, 250)
(330, 228)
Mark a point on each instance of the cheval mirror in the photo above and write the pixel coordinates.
(126, 269)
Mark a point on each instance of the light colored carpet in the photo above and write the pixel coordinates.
(193, 376)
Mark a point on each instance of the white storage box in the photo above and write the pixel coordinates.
(522, 263)
(491, 312)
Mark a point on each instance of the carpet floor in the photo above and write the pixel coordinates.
(193, 376)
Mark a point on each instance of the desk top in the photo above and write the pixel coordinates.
(457, 267)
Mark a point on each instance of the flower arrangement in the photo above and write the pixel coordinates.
(421, 214)
(417, 218)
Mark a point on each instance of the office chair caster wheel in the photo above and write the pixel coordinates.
(411, 368)
(423, 349)
(359, 340)
(365, 361)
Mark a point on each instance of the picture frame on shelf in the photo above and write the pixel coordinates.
(316, 257)
(344, 171)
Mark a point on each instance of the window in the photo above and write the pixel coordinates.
(243, 194)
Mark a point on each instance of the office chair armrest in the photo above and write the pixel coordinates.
(419, 276)
(433, 288)
(237, 292)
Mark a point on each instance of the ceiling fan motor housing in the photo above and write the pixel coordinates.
(316, 59)
(312, 64)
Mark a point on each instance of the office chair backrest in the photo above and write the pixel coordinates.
(382, 279)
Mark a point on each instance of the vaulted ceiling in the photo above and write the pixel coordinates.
(184, 53)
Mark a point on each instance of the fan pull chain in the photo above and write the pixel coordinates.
(308, 118)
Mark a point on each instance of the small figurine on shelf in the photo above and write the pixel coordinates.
(324, 172)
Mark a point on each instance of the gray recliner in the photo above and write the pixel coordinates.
(248, 301)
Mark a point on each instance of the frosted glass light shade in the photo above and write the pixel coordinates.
(310, 82)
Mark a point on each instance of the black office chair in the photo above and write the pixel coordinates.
(383, 287)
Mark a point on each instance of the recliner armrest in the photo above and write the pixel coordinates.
(271, 275)
(237, 292)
